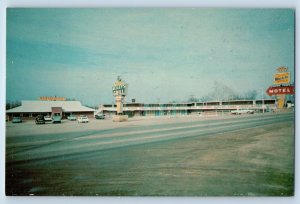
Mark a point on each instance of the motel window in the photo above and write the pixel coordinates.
(270, 102)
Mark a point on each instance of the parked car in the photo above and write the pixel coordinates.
(47, 118)
(16, 120)
(100, 116)
(56, 119)
(242, 111)
(71, 117)
(83, 119)
(40, 119)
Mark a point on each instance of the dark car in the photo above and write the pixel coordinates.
(72, 117)
(40, 119)
(100, 116)
(16, 120)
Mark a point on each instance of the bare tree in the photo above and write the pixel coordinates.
(222, 91)
(251, 95)
(192, 98)
(12, 104)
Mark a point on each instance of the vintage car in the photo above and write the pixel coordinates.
(47, 118)
(71, 117)
(56, 119)
(100, 116)
(39, 119)
(83, 119)
(16, 120)
(242, 111)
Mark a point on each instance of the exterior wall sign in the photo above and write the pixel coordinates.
(47, 98)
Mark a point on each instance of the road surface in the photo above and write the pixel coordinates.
(241, 155)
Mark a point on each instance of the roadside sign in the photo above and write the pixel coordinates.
(280, 90)
(282, 69)
(282, 78)
(120, 88)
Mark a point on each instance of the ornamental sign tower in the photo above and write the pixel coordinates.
(119, 90)
(281, 86)
(282, 76)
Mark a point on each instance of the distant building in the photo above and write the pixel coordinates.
(173, 109)
(30, 109)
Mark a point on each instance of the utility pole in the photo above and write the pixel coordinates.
(262, 97)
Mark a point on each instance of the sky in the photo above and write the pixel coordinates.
(163, 54)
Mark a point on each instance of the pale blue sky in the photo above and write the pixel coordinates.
(165, 54)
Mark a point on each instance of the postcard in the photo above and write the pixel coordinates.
(150, 102)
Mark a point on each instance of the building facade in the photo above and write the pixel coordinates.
(173, 109)
(30, 109)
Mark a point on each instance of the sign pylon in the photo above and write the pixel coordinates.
(119, 92)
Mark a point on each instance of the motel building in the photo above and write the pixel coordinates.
(192, 108)
(30, 109)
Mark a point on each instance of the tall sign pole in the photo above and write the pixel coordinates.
(280, 78)
(281, 86)
(119, 90)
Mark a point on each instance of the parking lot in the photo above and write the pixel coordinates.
(192, 155)
(30, 128)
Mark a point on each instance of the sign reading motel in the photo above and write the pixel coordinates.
(280, 90)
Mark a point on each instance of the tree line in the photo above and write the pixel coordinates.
(223, 92)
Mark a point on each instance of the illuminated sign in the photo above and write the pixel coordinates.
(280, 90)
(282, 78)
(47, 98)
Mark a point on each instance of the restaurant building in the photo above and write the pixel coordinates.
(30, 109)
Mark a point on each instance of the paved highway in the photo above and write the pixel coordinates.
(40, 147)
(51, 152)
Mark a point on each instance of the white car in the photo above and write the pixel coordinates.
(47, 118)
(83, 119)
(242, 111)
